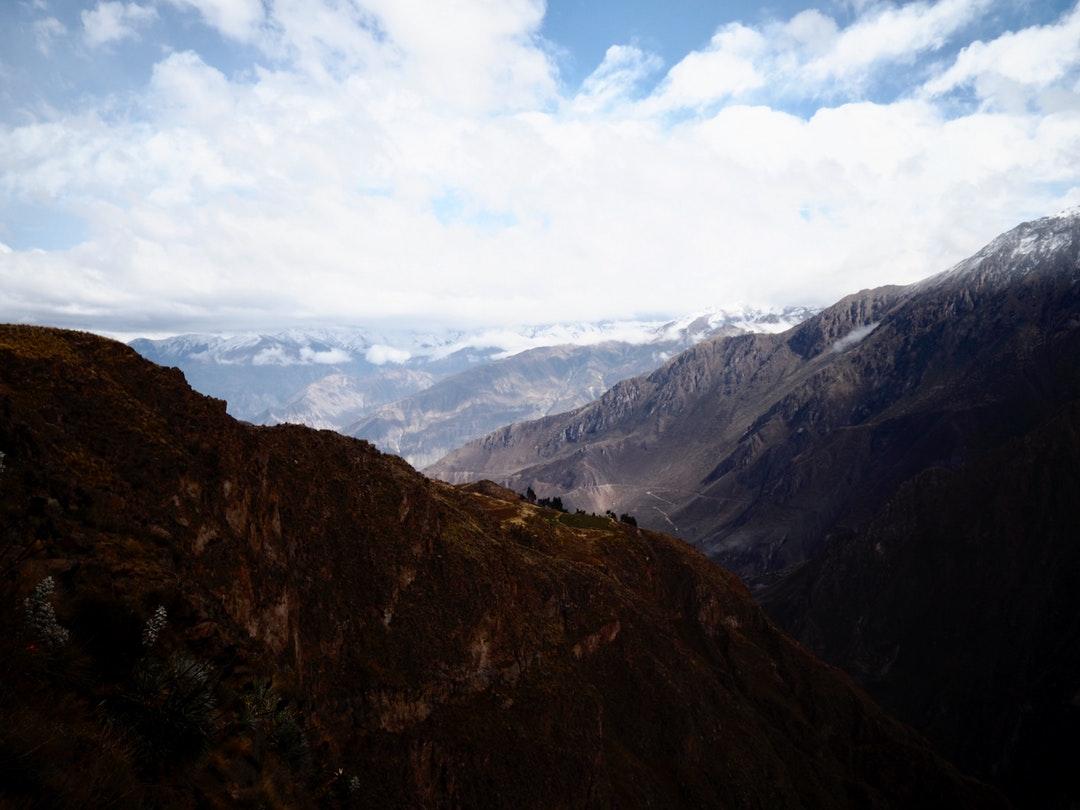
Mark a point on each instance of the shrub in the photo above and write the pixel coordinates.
(174, 703)
(40, 617)
(263, 708)
(154, 625)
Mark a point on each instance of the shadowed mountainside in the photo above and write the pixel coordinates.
(429, 645)
(957, 606)
(898, 476)
(755, 447)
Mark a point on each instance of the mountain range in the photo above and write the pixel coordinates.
(421, 394)
(198, 612)
(896, 477)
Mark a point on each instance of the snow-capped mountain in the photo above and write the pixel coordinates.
(544, 380)
(335, 377)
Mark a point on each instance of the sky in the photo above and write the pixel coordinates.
(214, 165)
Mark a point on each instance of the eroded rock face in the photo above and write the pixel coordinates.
(447, 647)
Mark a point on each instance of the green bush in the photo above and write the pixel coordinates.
(174, 703)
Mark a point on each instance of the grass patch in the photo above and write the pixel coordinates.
(580, 521)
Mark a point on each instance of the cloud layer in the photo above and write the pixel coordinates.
(399, 160)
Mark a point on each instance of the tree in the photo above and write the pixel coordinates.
(530, 496)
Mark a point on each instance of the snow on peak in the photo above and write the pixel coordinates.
(341, 346)
(1067, 213)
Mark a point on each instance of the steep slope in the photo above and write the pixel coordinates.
(438, 647)
(906, 503)
(427, 425)
(755, 447)
(647, 445)
(957, 606)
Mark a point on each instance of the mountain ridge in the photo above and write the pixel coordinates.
(394, 388)
(434, 646)
(896, 479)
(770, 396)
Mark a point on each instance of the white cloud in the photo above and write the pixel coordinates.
(280, 356)
(809, 55)
(855, 336)
(112, 20)
(238, 19)
(616, 78)
(1036, 56)
(890, 33)
(725, 68)
(273, 356)
(46, 31)
(327, 357)
(318, 188)
(380, 355)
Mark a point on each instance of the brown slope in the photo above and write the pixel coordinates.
(446, 648)
(755, 448)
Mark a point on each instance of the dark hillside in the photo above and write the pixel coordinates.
(339, 629)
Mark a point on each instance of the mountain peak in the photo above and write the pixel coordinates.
(1045, 245)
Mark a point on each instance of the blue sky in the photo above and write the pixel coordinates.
(578, 32)
(172, 164)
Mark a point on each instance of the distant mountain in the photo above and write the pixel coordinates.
(265, 377)
(898, 475)
(197, 612)
(340, 399)
(426, 425)
(331, 378)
